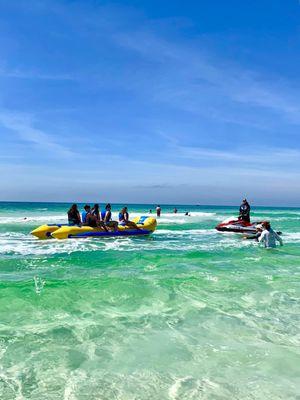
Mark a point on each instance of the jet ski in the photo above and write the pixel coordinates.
(236, 225)
(249, 230)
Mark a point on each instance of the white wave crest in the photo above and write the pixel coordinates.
(35, 218)
(22, 244)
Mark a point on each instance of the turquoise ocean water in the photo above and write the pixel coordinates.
(188, 313)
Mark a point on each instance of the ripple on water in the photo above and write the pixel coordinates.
(188, 313)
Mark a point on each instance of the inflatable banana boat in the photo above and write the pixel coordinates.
(145, 226)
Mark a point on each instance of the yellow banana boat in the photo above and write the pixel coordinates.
(145, 226)
(45, 231)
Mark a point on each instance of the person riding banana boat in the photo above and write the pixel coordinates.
(107, 218)
(124, 219)
(74, 215)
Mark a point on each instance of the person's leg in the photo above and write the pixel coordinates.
(113, 225)
(101, 224)
(132, 225)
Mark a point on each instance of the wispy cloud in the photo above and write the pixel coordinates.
(248, 158)
(190, 77)
(23, 126)
(23, 74)
(264, 157)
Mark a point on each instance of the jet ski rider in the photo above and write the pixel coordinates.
(245, 211)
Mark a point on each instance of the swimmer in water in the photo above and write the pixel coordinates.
(256, 235)
(269, 237)
(158, 211)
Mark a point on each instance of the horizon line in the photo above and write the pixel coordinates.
(148, 204)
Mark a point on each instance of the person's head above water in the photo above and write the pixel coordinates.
(87, 207)
(96, 207)
(266, 225)
(108, 207)
(73, 207)
(259, 227)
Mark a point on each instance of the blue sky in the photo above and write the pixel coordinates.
(150, 101)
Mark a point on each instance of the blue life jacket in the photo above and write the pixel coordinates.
(83, 216)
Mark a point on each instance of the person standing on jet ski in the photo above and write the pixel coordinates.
(245, 211)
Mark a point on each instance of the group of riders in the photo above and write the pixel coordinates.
(97, 218)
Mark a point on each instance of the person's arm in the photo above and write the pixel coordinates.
(107, 216)
(257, 236)
(262, 237)
(126, 217)
(278, 238)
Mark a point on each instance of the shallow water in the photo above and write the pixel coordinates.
(188, 313)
